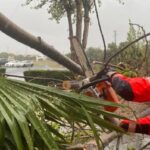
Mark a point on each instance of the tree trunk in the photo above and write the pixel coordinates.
(73, 54)
(69, 18)
(14, 31)
(86, 24)
(79, 7)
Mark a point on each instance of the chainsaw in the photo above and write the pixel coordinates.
(94, 85)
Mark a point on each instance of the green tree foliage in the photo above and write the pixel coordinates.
(137, 55)
(112, 49)
(77, 13)
(127, 71)
(4, 55)
(94, 54)
(134, 53)
(56, 8)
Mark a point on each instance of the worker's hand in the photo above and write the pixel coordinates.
(110, 73)
(128, 125)
(85, 81)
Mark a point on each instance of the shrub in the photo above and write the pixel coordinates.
(48, 76)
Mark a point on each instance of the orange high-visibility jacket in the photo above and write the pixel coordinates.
(136, 90)
(132, 89)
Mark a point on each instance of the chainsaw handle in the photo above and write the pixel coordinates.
(110, 95)
(92, 83)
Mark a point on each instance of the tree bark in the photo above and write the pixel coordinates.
(86, 24)
(79, 7)
(14, 31)
(69, 18)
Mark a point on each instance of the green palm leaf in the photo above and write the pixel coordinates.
(36, 117)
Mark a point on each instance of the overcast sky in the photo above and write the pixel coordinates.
(113, 16)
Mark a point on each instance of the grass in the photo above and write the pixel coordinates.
(47, 62)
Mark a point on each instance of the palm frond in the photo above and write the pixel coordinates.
(29, 112)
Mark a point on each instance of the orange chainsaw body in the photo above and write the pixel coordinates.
(105, 90)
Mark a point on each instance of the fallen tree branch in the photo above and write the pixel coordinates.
(100, 29)
(20, 35)
(76, 147)
(142, 148)
(112, 65)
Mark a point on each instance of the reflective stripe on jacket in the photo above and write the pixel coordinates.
(141, 125)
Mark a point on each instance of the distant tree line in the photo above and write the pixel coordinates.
(19, 57)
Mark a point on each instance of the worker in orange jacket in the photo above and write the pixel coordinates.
(136, 90)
